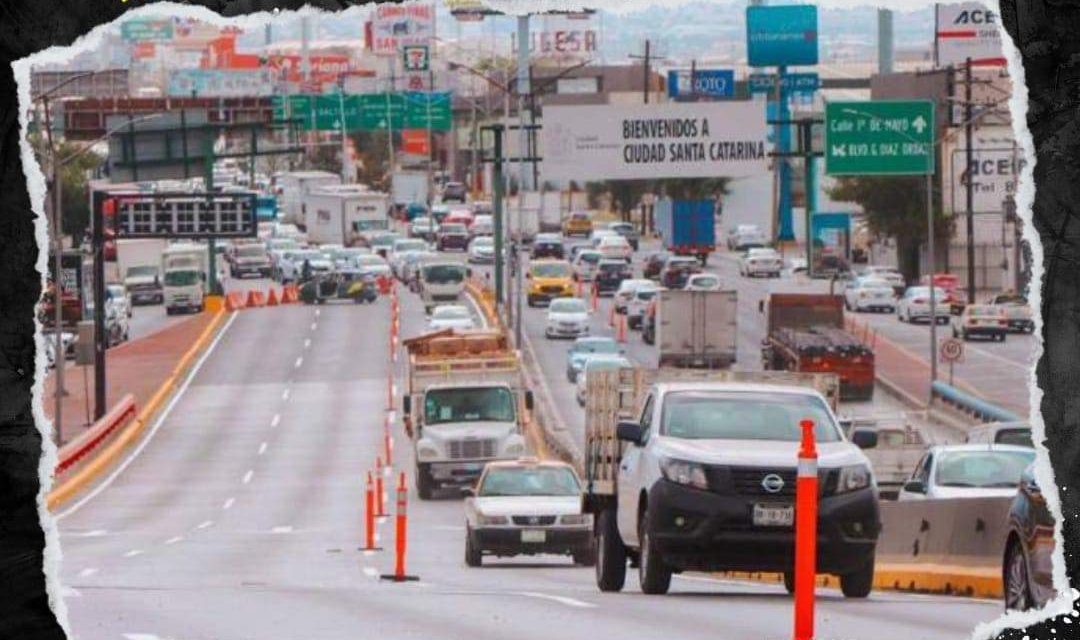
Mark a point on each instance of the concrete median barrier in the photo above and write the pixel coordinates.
(84, 459)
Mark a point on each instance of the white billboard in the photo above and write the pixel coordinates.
(995, 166)
(646, 141)
(967, 30)
(396, 25)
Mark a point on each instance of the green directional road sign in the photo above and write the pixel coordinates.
(367, 112)
(883, 137)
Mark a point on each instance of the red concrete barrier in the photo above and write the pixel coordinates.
(108, 426)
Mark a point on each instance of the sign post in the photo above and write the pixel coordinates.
(888, 138)
(951, 352)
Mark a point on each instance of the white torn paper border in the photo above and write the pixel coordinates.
(36, 187)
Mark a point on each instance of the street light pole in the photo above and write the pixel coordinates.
(932, 259)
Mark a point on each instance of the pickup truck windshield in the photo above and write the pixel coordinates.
(251, 251)
(444, 274)
(707, 415)
(468, 404)
(529, 481)
(142, 272)
(181, 278)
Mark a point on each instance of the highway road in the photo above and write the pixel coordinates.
(240, 516)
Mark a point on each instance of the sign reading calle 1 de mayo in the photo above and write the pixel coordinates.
(681, 140)
(884, 137)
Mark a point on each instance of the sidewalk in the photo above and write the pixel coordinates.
(138, 367)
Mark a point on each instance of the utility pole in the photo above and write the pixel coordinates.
(430, 145)
(390, 118)
(648, 58)
(969, 130)
(523, 89)
(500, 241)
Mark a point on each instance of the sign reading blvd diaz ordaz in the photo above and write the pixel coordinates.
(634, 142)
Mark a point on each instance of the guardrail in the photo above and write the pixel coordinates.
(971, 405)
(73, 455)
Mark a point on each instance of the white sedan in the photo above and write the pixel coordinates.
(615, 247)
(626, 291)
(527, 507)
(915, 305)
(968, 471)
(451, 316)
(761, 261)
(482, 250)
(567, 318)
(869, 294)
(703, 282)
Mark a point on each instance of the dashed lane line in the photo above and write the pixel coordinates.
(133, 553)
(275, 420)
(205, 524)
(228, 504)
(174, 539)
(262, 448)
(248, 475)
(87, 572)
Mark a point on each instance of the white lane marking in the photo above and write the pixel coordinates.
(228, 504)
(994, 356)
(247, 476)
(369, 552)
(313, 325)
(87, 572)
(377, 537)
(204, 524)
(285, 394)
(307, 343)
(285, 529)
(299, 361)
(393, 388)
(174, 539)
(570, 602)
(276, 420)
(157, 424)
(133, 553)
(262, 448)
(94, 533)
(391, 415)
(371, 572)
(448, 527)
(70, 592)
(317, 312)
(142, 636)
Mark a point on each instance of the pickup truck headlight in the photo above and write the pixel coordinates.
(576, 519)
(483, 520)
(683, 472)
(427, 451)
(853, 478)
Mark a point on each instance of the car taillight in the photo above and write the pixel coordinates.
(919, 300)
(1003, 323)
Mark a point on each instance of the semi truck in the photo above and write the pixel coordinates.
(465, 405)
(687, 227)
(342, 213)
(806, 333)
(696, 328)
(696, 471)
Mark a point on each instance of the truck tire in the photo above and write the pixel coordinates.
(858, 584)
(423, 481)
(653, 574)
(473, 556)
(789, 582)
(610, 553)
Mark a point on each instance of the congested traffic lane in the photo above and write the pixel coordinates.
(241, 517)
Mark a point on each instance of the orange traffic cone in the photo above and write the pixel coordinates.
(272, 298)
(620, 332)
(255, 298)
(234, 301)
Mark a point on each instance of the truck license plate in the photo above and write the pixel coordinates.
(773, 516)
(533, 535)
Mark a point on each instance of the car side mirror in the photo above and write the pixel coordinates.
(865, 439)
(915, 486)
(529, 400)
(628, 431)
(469, 491)
(406, 405)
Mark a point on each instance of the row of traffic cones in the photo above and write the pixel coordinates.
(236, 300)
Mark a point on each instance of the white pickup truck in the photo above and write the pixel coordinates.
(465, 406)
(696, 471)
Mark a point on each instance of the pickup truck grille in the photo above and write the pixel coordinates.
(533, 520)
(468, 449)
(747, 481)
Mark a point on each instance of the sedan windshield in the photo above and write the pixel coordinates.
(982, 469)
(550, 270)
(707, 415)
(465, 404)
(450, 313)
(443, 273)
(529, 481)
(567, 305)
(596, 346)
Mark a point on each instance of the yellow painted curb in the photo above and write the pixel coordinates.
(944, 579)
(213, 304)
(109, 455)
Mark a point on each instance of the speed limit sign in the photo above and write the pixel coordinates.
(951, 350)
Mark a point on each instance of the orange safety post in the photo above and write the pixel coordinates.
(380, 505)
(594, 296)
(400, 536)
(580, 288)
(620, 333)
(369, 517)
(806, 507)
(272, 298)
(386, 439)
(611, 316)
(255, 298)
(390, 392)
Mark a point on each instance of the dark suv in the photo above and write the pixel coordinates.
(452, 236)
(654, 264)
(1027, 569)
(548, 246)
(454, 192)
(677, 270)
(610, 274)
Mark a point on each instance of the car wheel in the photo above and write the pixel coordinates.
(1017, 585)
(1001, 337)
(610, 553)
(423, 482)
(653, 574)
(789, 581)
(858, 584)
(474, 557)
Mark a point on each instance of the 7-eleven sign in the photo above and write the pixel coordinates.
(415, 57)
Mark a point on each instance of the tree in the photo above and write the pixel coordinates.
(75, 202)
(895, 207)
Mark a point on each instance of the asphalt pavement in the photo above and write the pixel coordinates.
(240, 516)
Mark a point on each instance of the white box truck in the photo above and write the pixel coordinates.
(184, 267)
(339, 214)
(293, 185)
(407, 187)
(696, 328)
(139, 268)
